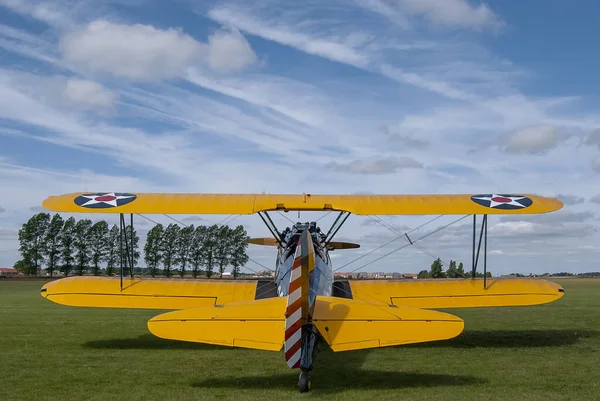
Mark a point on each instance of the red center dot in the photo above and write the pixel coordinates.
(105, 198)
(501, 199)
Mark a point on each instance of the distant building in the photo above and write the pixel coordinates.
(8, 272)
(410, 275)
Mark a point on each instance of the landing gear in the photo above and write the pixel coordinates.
(309, 339)
(304, 382)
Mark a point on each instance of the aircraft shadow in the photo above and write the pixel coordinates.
(148, 341)
(511, 339)
(334, 374)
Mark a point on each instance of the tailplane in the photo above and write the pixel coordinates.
(347, 324)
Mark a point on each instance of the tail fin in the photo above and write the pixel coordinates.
(298, 308)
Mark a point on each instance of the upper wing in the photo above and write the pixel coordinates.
(461, 293)
(157, 203)
(106, 292)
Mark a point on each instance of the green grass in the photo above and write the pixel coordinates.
(53, 352)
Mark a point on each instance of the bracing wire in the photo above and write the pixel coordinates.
(406, 245)
(398, 232)
(387, 243)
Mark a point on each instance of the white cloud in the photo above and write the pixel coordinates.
(570, 199)
(149, 52)
(596, 164)
(451, 13)
(595, 199)
(89, 93)
(229, 51)
(324, 47)
(537, 139)
(131, 51)
(593, 138)
(47, 12)
(386, 165)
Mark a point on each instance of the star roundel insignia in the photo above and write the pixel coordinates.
(104, 200)
(502, 201)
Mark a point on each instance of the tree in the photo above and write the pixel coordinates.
(478, 274)
(209, 248)
(197, 253)
(112, 250)
(169, 247)
(238, 255)
(22, 266)
(32, 245)
(53, 246)
(452, 271)
(82, 244)
(461, 270)
(223, 248)
(153, 248)
(184, 247)
(67, 242)
(424, 274)
(437, 269)
(98, 244)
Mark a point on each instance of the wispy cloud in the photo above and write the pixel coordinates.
(369, 96)
(444, 13)
(376, 165)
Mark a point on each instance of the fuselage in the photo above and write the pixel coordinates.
(320, 280)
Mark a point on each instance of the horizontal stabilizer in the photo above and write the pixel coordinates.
(349, 325)
(106, 292)
(255, 324)
(269, 241)
(460, 293)
(341, 245)
(330, 245)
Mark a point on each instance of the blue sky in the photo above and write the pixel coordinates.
(380, 96)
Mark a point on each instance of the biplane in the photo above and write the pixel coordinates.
(303, 304)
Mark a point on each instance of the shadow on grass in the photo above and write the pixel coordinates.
(511, 339)
(150, 342)
(335, 378)
(334, 372)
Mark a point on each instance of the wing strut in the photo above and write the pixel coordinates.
(482, 235)
(335, 227)
(272, 228)
(127, 257)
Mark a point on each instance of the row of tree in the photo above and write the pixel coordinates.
(453, 271)
(80, 247)
(71, 246)
(202, 249)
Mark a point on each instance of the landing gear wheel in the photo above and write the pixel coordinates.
(304, 382)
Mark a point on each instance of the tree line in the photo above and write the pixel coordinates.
(202, 249)
(80, 247)
(453, 271)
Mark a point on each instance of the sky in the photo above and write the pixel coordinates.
(359, 96)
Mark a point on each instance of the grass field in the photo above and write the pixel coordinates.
(53, 352)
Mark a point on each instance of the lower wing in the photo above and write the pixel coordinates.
(460, 293)
(106, 292)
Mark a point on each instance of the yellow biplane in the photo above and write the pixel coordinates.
(303, 304)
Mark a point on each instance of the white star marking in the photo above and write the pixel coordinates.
(113, 202)
(513, 200)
